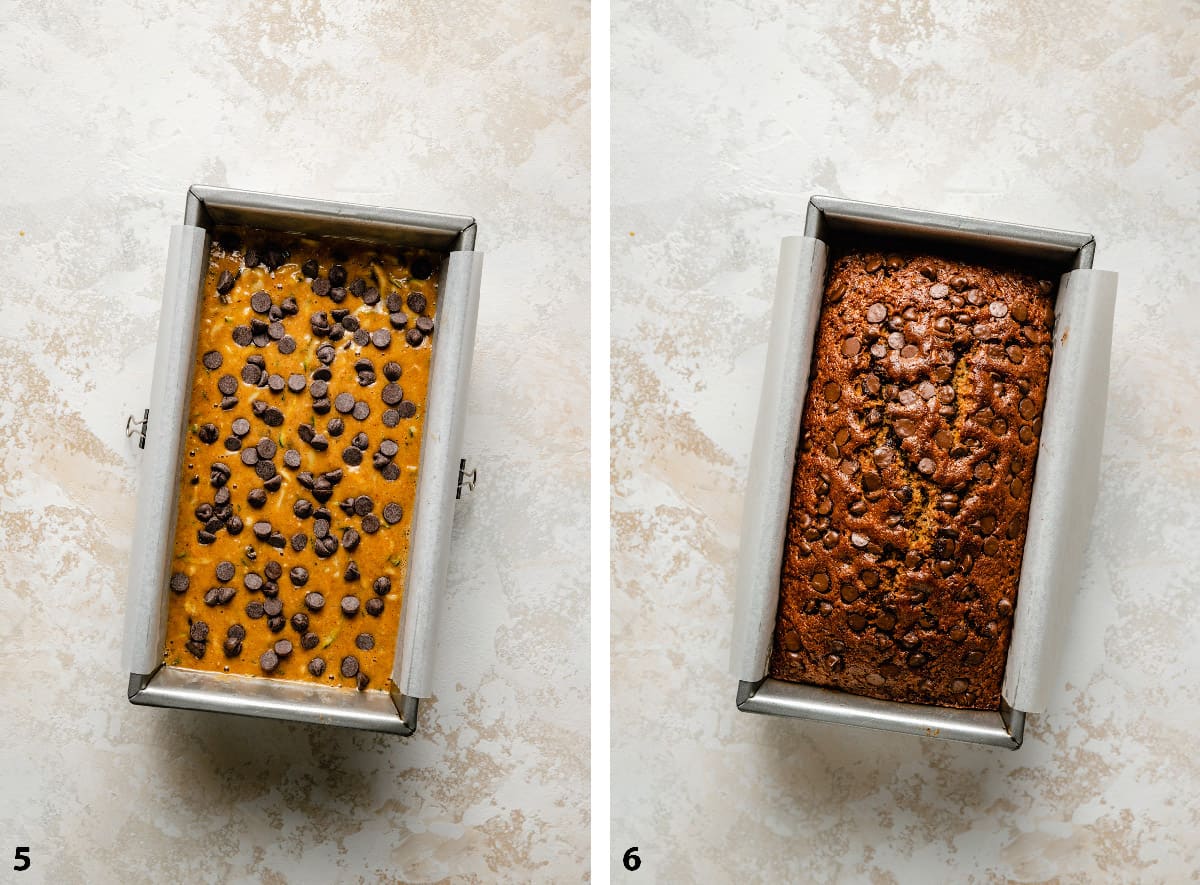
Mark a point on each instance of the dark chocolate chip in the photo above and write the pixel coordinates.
(254, 610)
(299, 575)
(374, 606)
(416, 302)
(391, 473)
(310, 268)
(179, 582)
(242, 335)
(393, 513)
(349, 666)
(349, 606)
(351, 573)
(299, 541)
(260, 302)
(225, 571)
(208, 433)
(295, 382)
(344, 403)
(362, 411)
(197, 649)
(232, 443)
(227, 384)
(370, 296)
(225, 282)
(382, 585)
(264, 469)
(314, 601)
(212, 360)
(390, 418)
(392, 394)
(414, 337)
(269, 661)
(283, 648)
(424, 325)
(317, 665)
(370, 524)
(389, 449)
(352, 456)
(382, 338)
(291, 458)
(398, 320)
(350, 539)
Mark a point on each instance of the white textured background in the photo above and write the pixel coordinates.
(727, 117)
(109, 114)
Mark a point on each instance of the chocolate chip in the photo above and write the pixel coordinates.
(344, 403)
(317, 665)
(298, 575)
(268, 661)
(414, 337)
(225, 282)
(351, 573)
(260, 302)
(392, 513)
(254, 610)
(179, 582)
(416, 302)
(314, 601)
(352, 456)
(197, 649)
(232, 647)
(282, 648)
(362, 411)
(234, 525)
(225, 571)
(349, 666)
(262, 530)
(391, 473)
(370, 524)
(388, 448)
(227, 384)
(310, 268)
(374, 606)
(350, 539)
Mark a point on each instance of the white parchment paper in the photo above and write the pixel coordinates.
(773, 456)
(154, 523)
(1065, 484)
(437, 481)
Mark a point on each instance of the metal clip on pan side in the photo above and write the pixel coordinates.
(133, 427)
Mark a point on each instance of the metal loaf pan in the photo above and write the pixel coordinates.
(163, 440)
(830, 220)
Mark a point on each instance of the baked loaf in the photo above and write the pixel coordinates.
(912, 480)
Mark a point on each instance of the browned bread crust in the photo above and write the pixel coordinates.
(913, 477)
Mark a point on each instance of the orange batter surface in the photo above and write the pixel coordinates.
(222, 571)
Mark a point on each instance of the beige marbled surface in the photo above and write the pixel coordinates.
(728, 116)
(478, 108)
